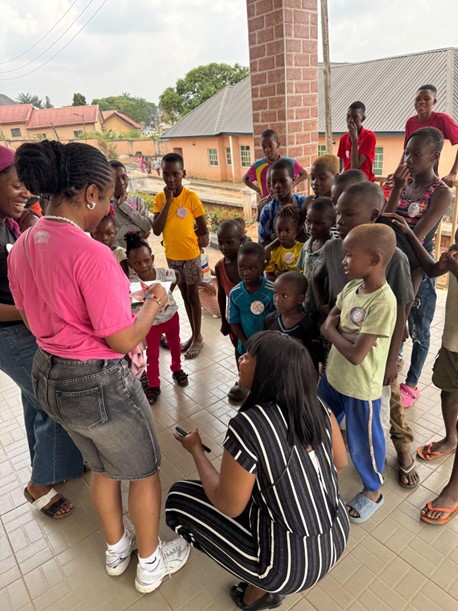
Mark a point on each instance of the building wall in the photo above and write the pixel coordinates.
(196, 156)
(6, 130)
(117, 125)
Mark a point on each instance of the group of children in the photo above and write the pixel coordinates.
(338, 271)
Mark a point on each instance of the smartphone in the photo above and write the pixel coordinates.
(183, 433)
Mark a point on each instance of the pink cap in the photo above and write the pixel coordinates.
(6, 158)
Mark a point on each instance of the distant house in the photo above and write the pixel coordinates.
(216, 138)
(24, 122)
(5, 100)
(118, 122)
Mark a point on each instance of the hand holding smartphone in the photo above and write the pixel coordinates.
(183, 433)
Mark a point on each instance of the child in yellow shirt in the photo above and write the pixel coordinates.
(175, 210)
(284, 252)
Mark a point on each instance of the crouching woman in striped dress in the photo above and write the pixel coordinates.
(273, 516)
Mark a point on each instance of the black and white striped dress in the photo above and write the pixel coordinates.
(295, 526)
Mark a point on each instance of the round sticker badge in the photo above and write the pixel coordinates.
(288, 258)
(413, 210)
(257, 307)
(357, 316)
(182, 213)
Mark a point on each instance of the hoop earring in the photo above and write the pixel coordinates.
(91, 205)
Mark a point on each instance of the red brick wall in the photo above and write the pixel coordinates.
(283, 36)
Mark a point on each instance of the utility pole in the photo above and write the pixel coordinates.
(326, 73)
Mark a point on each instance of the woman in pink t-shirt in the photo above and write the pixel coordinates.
(74, 297)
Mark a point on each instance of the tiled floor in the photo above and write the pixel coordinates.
(392, 562)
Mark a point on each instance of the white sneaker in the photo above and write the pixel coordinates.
(173, 555)
(117, 563)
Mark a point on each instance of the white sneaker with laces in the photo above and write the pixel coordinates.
(172, 556)
(117, 563)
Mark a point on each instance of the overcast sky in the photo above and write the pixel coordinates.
(142, 47)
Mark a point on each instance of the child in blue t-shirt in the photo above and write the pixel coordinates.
(252, 299)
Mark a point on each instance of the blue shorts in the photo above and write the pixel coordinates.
(103, 408)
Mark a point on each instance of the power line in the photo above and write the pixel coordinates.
(12, 78)
(42, 38)
(52, 44)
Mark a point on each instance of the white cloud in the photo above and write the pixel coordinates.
(144, 47)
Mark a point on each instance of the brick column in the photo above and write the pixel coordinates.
(283, 36)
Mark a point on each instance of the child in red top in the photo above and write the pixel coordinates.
(425, 117)
(357, 147)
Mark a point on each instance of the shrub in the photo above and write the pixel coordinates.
(216, 217)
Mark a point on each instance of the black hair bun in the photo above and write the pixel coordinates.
(42, 166)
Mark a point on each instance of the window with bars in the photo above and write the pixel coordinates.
(16, 132)
(213, 156)
(378, 161)
(228, 156)
(245, 156)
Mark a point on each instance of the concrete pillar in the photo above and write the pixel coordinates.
(249, 203)
(283, 39)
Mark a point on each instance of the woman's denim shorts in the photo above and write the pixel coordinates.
(105, 411)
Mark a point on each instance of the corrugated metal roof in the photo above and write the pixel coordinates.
(70, 115)
(386, 86)
(16, 113)
(5, 100)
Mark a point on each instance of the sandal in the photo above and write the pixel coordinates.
(408, 395)
(364, 506)
(41, 503)
(425, 452)
(180, 377)
(152, 393)
(268, 601)
(406, 471)
(163, 343)
(447, 510)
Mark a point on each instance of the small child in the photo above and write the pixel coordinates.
(357, 147)
(256, 177)
(322, 174)
(130, 211)
(176, 209)
(105, 232)
(167, 322)
(344, 180)
(289, 293)
(321, 217)
(241, 221)
(360, 327)
(252, 299)
(281, 177)
(283, 257)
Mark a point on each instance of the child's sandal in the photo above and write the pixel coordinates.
(152, 393)
(181, 378)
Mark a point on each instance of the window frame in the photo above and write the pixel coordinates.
(213, 157)
(245, 148)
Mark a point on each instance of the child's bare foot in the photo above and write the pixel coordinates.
(408, 474)
(194, 349)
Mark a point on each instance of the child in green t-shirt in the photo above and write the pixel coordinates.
(360, 327)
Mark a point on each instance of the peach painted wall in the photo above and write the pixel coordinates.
(195, 153)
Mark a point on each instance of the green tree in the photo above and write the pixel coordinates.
(197, 86)
(138, 109)
(79, 100)
(30, 98)
(48, 103)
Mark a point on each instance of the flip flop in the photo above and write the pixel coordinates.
(425, 452)
(364, 506)
(440, 521)
(40, 504)
(407, 471)
(408, 395)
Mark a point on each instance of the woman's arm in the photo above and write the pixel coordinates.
(230, 490)
(124, 341)
(9, 313)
